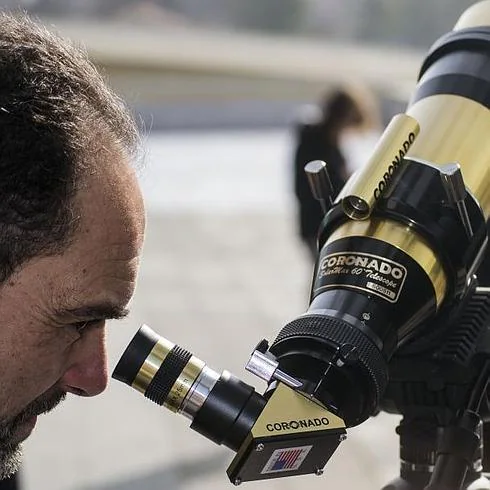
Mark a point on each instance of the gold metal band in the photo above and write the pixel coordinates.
(404, 238)
(152, 364)
(184, 383)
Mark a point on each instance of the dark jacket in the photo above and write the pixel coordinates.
(11, 483)
(312, 144)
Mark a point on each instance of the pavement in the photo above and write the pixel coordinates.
(214, 279)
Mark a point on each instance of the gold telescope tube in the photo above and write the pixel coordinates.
(366, 186)
(475, 16)
(455, 127)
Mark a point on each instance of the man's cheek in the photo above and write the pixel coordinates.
(33, 380)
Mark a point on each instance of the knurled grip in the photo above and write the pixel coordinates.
(168, 373)
(338, 332)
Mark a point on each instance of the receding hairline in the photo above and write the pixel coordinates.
(51, 90)
(51, 51)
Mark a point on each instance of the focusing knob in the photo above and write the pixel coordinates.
(320, 183)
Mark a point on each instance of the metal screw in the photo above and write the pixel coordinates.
(259, 447)
(319, 472)
(342, 437)
(237, 481)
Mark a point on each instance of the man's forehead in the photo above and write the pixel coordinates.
(110, 203)
(99, 266)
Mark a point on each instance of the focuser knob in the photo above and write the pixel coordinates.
(320, 183)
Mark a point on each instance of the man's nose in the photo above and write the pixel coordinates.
(86, 374)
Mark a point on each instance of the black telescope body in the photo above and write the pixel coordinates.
(382, 280)
(398, 317)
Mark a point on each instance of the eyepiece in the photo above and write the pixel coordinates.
(221, 407)
(165, 373)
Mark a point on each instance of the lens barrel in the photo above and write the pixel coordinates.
(221, 407)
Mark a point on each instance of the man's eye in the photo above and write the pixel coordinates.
(81, 326)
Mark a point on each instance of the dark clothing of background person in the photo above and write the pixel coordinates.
(11, 483)
(313, 144)
(319, 138)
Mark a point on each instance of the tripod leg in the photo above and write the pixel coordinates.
(419, 440)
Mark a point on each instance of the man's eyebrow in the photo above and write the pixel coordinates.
(102, 311)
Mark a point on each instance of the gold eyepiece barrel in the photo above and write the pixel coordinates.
(367, 185)
(221, 406)
(166, 373)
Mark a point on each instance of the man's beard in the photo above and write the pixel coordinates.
(11, 451)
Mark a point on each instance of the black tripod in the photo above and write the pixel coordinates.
(419, 445)
(441, 392)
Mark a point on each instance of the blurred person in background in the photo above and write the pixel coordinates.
(326, 132)
(71, 227)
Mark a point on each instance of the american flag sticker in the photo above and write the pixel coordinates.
(286, 459)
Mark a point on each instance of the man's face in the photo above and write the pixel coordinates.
(53, 310)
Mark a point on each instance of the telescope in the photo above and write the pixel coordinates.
(399, 312)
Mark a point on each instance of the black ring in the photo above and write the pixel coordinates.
(471, 39)
(168, 373)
